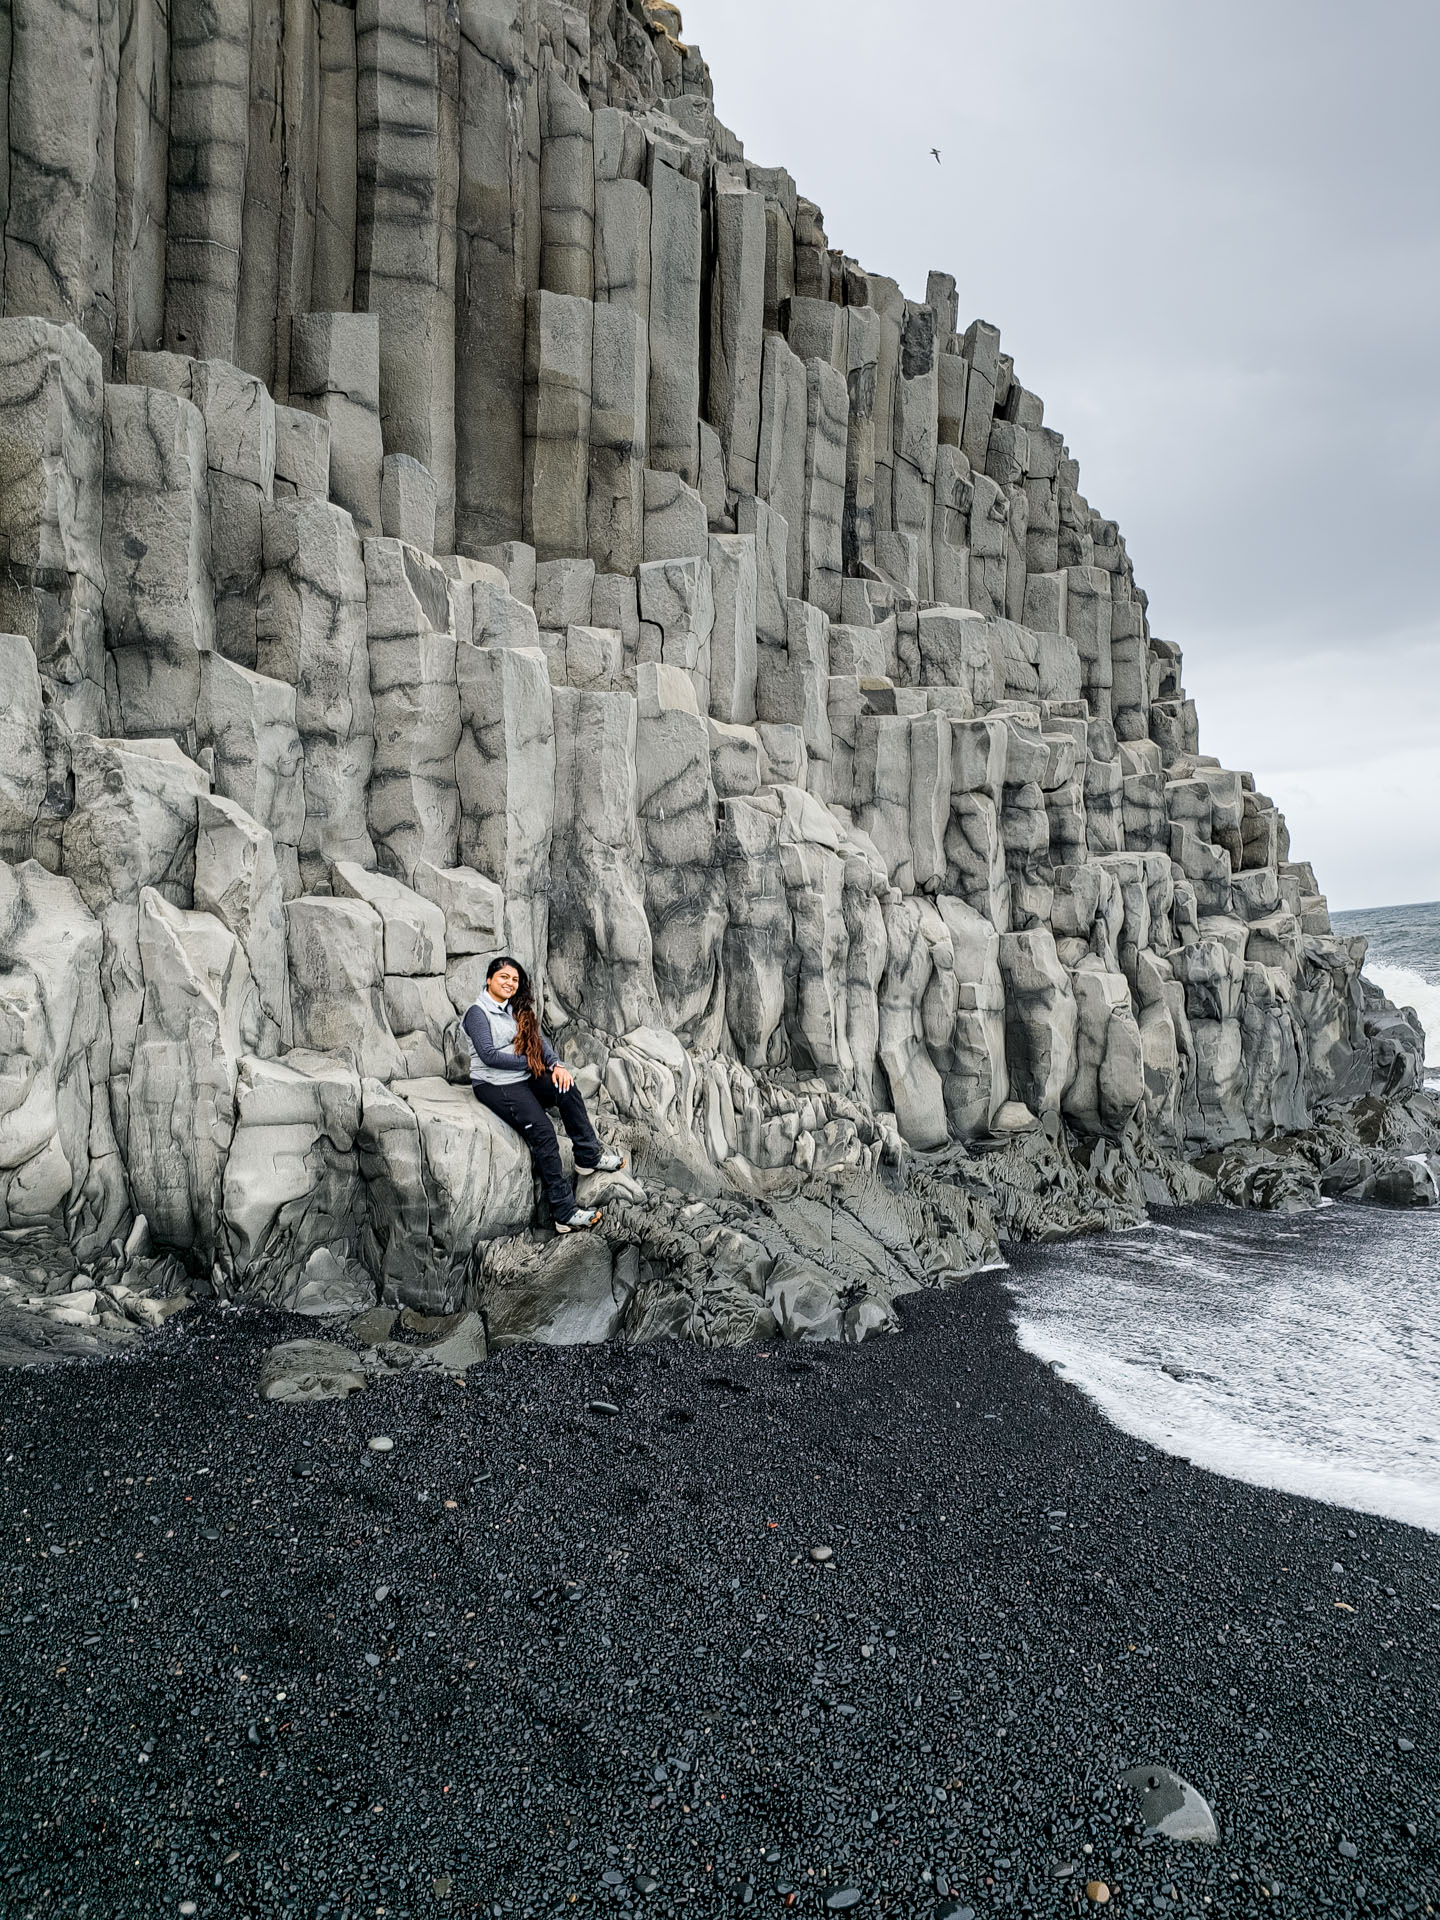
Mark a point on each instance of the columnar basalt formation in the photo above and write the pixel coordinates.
(451, 500)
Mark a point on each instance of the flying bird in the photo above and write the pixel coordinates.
(936, 152)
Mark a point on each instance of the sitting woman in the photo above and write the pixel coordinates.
(516, 1072)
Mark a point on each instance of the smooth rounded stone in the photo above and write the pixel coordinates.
(382, 1594)
(372, 1659)
(842, 1899)
(380, 1443)
(607, 1407)
(1405, 1746)
(188, 1906)
(306, 1370)
(1349, 1850)
(1169, 1805)
(1097, 1891)
(821, 1554)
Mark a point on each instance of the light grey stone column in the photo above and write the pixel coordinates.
(301, 104)
(862, 363)
(780, 205)
(673, 438)
(615, 513)
(335, 372)
(559, 351)
(1087, 622)
(733, 640)
(142, 130)
(413, 805)
(258, 289)
(916, 424)
(889, 304)
(684, 886)
(497, 265)
(824, 517)
(209, 136)
(407, 58)
(505, 770)
(601, 964)
(780, 476)
(310, 632)
(337, 162)
(52, 577)
(737, 315)
(59, 254)
(159, 607)
(567, 188)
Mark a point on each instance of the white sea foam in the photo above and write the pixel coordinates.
(1409, 989)
(1300, 1353)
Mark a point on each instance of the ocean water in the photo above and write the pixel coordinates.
(1404, 961)
(1296, 1351)
(1300, 1352)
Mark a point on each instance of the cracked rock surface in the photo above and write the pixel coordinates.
(457, 500)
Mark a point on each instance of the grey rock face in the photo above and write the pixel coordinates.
(51, 490)
(450, 503)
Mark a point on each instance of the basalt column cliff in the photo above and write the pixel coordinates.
(451, 499)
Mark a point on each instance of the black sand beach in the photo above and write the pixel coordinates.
(541, 1658)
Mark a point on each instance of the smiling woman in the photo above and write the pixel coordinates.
(517, 1074)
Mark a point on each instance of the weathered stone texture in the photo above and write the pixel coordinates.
(451, 502)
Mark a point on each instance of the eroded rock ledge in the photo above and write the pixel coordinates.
(451, 499)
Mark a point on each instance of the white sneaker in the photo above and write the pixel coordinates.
(578, 1221)
(609, 1162)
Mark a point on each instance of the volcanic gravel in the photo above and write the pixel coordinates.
(565, 1648)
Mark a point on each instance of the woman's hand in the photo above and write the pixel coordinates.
(562, 1077)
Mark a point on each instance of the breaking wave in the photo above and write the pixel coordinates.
(1300, 1352)
(1410, 989)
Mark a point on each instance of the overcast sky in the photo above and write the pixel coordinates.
(1210, 237)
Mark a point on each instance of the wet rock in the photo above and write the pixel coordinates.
(1169, 1805)
(373, 1327)
(305, 1370)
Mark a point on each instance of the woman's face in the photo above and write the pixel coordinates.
(504, 983)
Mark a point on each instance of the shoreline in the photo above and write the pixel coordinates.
(602, 1648)
(1290, 1351)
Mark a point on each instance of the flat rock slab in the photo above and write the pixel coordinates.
(304, 1370)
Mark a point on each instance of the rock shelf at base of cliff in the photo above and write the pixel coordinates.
(506, 522)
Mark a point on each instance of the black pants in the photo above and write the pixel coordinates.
(522, 1106)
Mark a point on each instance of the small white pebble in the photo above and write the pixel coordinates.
(380, 1443)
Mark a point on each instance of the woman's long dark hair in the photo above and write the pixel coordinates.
(528, 1038)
